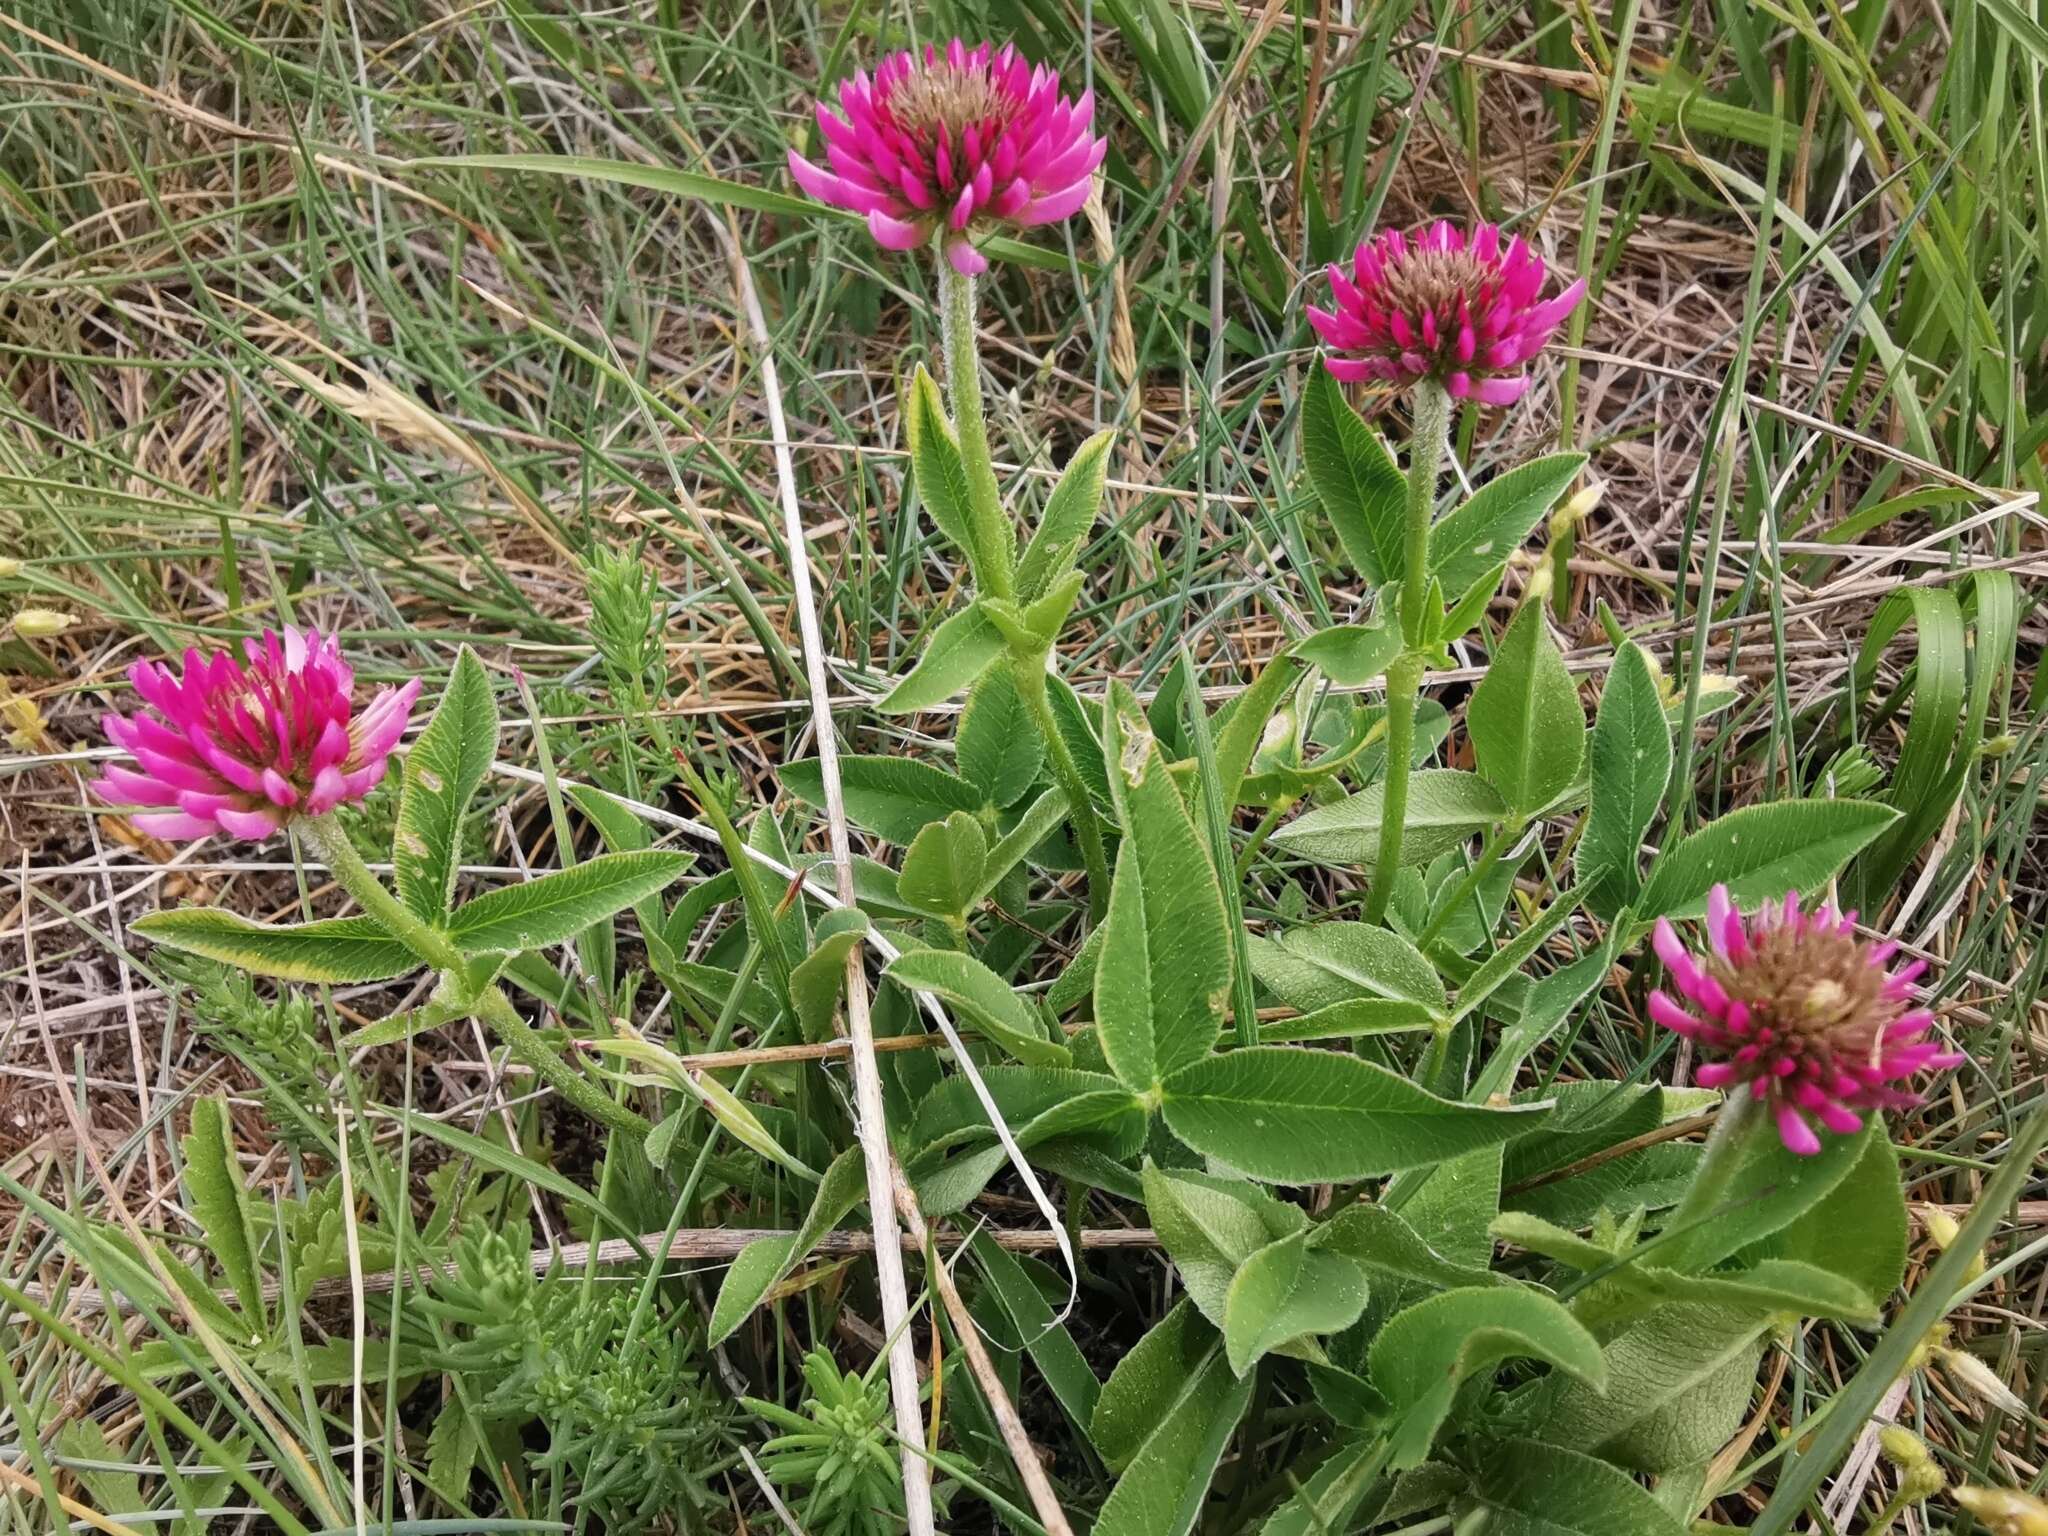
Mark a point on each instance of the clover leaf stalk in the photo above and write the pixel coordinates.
(1432, 420)
(437, 949)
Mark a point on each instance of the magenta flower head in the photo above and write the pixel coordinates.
(1466, 312)
(963, 140)
(242, 747)
(1801, 1010)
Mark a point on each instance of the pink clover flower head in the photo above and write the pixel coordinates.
(242, 747)
(1809, 1016)
(1464, 310)
(961, 140)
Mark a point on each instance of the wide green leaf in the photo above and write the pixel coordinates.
(1424, 1352)
(1770, 1188)
(335, 949)
(558, 906)
(1354, 477)
(1631, 764)
(960, 651)
(760, 1266)
(1526, 1488)
(943, 867)
(1857, 1232)
(1478, 536)
(892, 797)
(1297, 1116)
(1528, 732)
(983, 998)
(1284, 1291)
(998, 749)
(441, 773)
(1446, 807)
(1164, 971)
(1678, 1384)
(1070, 511)
(1210, 1226)
(1760, 852)
(1351, 654)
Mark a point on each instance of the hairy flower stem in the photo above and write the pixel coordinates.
(1030, 675)
(1720, 1160)
(435, 948)
(995, 547)
(995, 562)
(1432, 422)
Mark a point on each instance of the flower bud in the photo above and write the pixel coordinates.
(2005, 1512)
(1540, 582)
(1978, 1379)
(1902, 1448)
(41, 623)
(1577, 510)
(9, 567)
(1942, 1231)
(1999, 745)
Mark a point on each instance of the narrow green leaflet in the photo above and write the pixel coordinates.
(558, 906)
(1528, 732)
(1162, 1491)
(1478, 536)
(441, 773)
(1069, 513)
(1425, 1351)
(213, 1188)
(952, 1111)
(335, 949)
(1631, 763)
(999, 750)
(1165, 967)
(892, 797)
(1380, 1241)
(1446, 808)
(1040, 1334)
(1286, 1290)
(983, 998)
(1526, 1488)
(1290, 1115)
(942, 869)
(1142, 1387)
(1761, 852)
(1678, 1385)
(1324, 964)
(935, 462)
(1240, 725)
(762, 1264)
(817, 980)
(958, 653)
(1354, 477)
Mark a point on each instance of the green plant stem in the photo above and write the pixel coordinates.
(1432, 423)
(435, 948)
(1030, 675)
(994, 544)
(1719, 1162)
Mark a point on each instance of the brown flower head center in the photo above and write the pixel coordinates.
(1436, 280)
(1816, 992)
(937, 98)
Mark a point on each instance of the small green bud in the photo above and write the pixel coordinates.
(41, 623)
